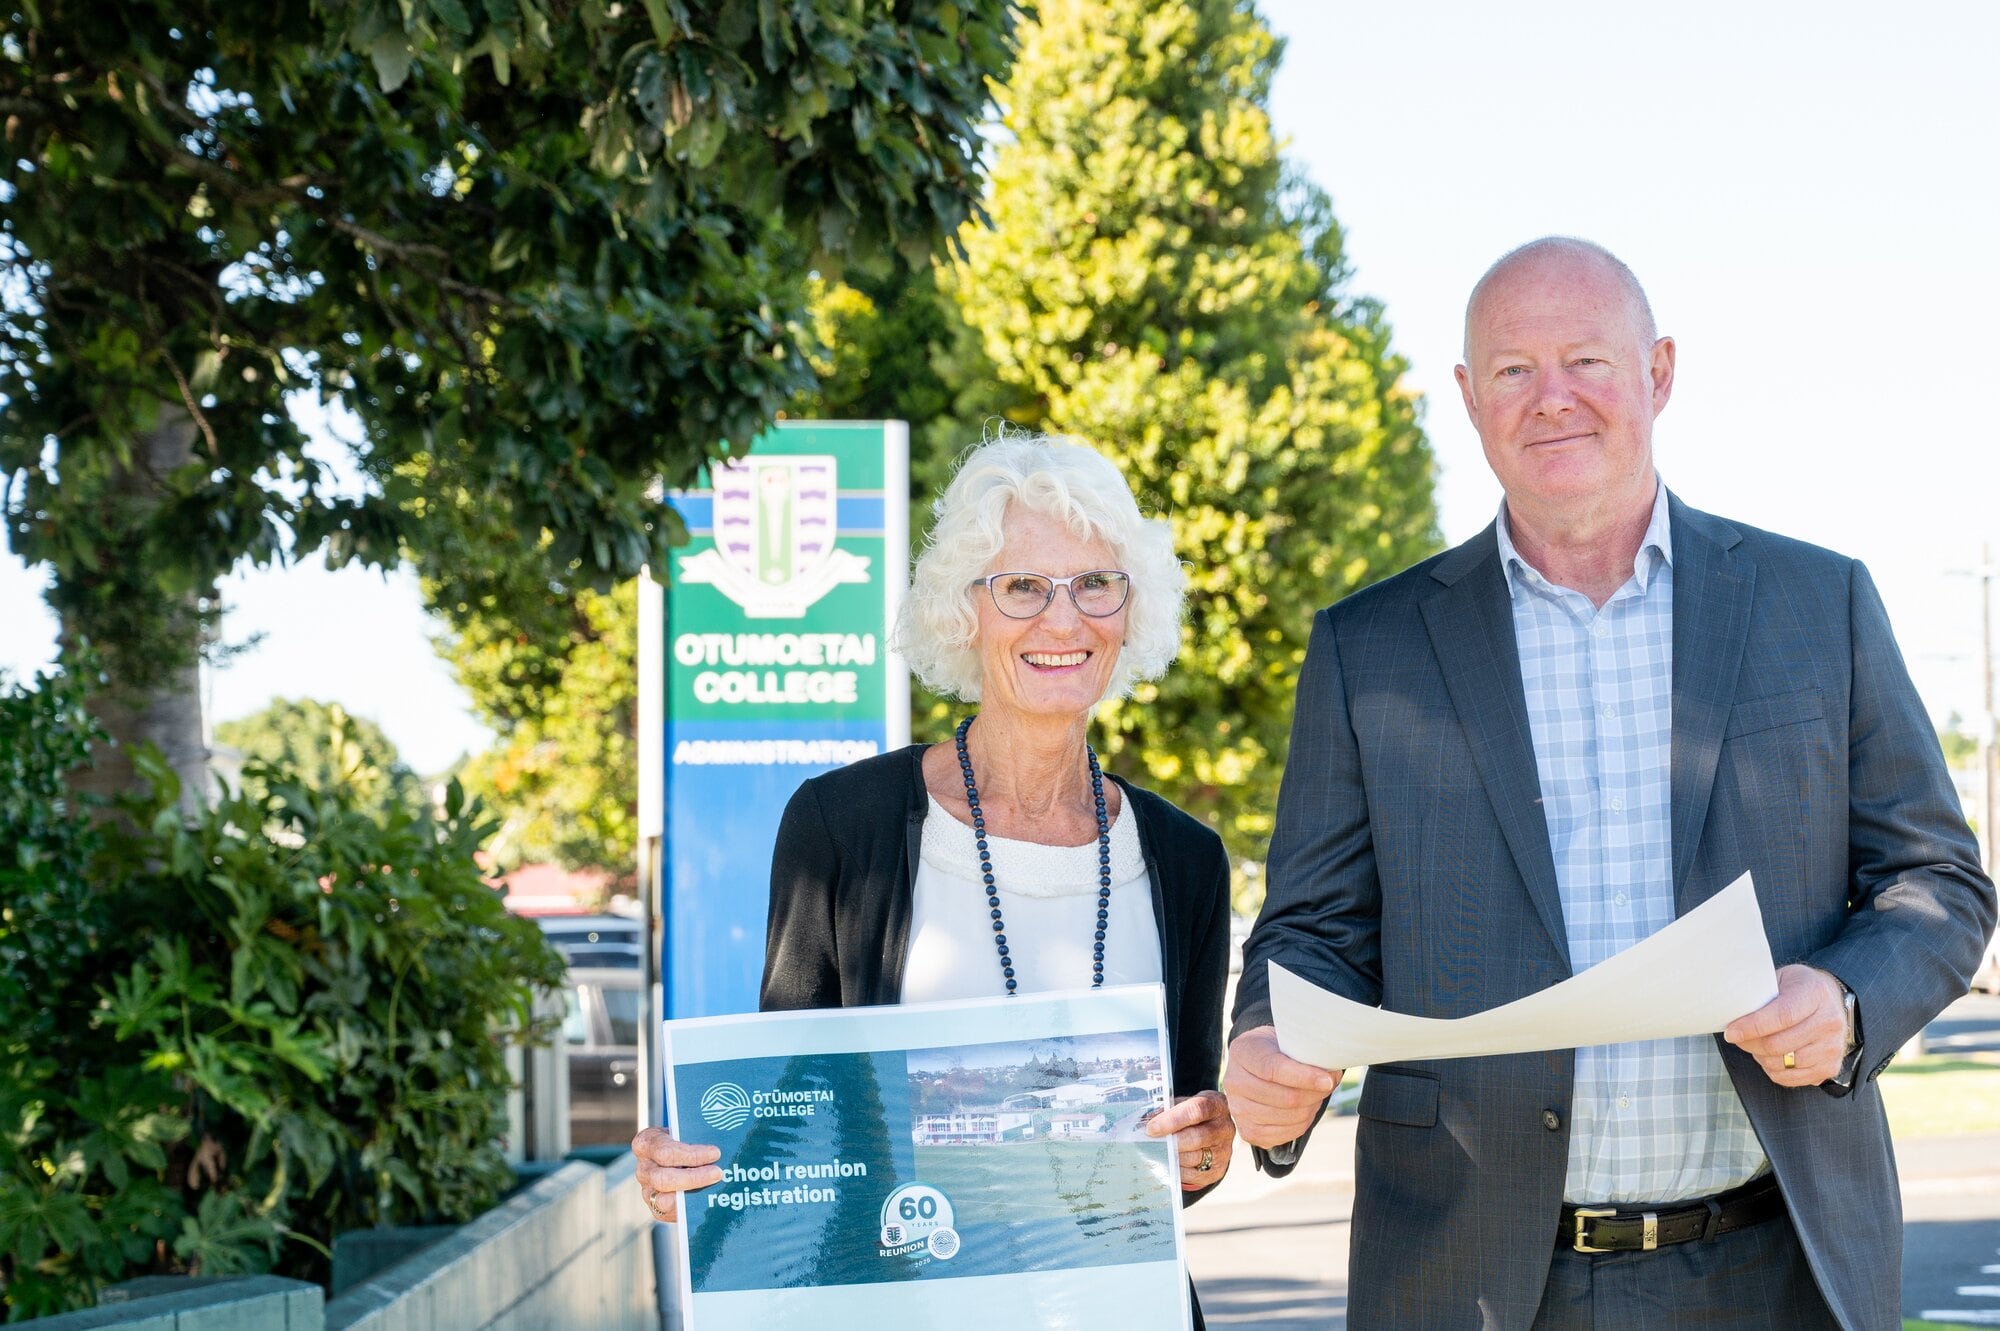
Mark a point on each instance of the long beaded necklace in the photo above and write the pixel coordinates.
(986, 864)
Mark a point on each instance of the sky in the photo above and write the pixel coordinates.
(1810, 193)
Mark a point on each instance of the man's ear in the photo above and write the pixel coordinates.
(1662, 370)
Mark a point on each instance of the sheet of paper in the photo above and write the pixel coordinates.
(1693, 977)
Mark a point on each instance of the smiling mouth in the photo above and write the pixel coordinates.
(1055, 660)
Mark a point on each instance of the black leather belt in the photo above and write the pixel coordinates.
(1625, 1229)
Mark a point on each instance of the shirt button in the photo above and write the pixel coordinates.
(1600, 628)
(1624, 1102)
(1609, 710)
(1620, 899)
(1552, 1120)
(1617, 805)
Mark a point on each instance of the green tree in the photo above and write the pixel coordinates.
(547, 254)
(1160, 285)
(552, 665)
(1959, 743)
(564, 778)
(323, 748)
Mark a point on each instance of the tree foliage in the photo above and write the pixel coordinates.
(564, 777)
(552, 665)
(1959, 741)
(321, 747)
(548, 254)
(223, 1041)
(1159, 284)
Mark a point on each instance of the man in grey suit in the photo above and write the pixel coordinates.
(1530, 752)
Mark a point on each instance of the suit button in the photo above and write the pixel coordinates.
(1552, 1120)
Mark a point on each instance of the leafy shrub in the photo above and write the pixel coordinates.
(223, 1040)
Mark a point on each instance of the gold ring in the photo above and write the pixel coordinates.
(1207, 1160)
(1790, 1061)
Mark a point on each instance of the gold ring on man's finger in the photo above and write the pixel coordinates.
(1207, 1160)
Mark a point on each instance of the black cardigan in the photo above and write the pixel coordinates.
(845, 868)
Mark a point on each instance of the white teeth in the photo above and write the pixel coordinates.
(1051, 659)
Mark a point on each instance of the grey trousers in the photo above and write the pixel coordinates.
(1755, 1279)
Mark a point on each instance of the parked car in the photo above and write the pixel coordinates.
(601, 1030)
(594, 940)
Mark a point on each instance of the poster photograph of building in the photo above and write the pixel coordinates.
(1096, 1088)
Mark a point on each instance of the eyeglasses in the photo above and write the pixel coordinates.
(1097, 593)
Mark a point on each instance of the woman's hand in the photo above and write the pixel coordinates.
(669, 1167)
(1207, 1134)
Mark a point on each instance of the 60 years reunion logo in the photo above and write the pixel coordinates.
(726, 1106)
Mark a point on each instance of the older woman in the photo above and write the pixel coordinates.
(1040, 592)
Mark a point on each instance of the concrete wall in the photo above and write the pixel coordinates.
(257, 1303)
(573, 1252)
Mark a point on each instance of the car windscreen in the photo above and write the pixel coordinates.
(622, 1007)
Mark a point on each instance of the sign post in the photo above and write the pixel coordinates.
(774, 666)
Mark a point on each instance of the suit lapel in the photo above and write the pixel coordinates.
(1712, 590)
(1471, 627)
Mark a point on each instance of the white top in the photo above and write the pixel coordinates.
(1048, 897)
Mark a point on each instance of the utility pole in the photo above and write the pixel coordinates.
(1989, 760)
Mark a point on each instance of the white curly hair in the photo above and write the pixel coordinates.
(1063, 478)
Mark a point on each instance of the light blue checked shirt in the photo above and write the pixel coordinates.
(1655, 1120)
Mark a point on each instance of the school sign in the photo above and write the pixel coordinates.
(771, 659)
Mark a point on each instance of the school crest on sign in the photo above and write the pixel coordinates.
(775, 523)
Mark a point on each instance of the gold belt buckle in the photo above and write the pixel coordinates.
(1584, 1213)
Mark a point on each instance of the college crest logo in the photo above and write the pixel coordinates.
(775, 523)
(726, 1106)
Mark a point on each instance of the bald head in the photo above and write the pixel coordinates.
(1564, 251)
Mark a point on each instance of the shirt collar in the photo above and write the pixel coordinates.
(1658, 541)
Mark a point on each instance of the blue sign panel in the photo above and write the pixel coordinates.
(774, 668)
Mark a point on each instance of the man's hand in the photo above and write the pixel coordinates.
(1273, 1098)
(1807, 1020)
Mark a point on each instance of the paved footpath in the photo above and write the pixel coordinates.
(1951, 1196)
(1272, 1253)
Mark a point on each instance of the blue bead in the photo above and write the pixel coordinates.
(996, 912)
(999, 940)
(1010, 986)
(1100, 935)
(1003, 949)
(1007, 971)
(988, 877)
(997, 926)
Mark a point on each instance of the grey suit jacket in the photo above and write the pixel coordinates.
(1411, 868)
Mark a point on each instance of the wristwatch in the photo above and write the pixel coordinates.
(1850, 1066)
